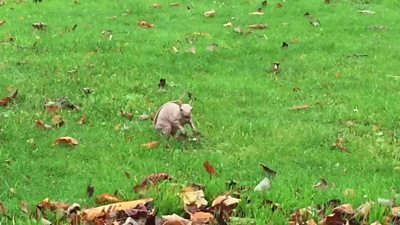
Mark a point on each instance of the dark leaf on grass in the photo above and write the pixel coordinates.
(285, 45)
(162, 83)
(264, 3)
(267, 170)
(5, 101)
(127, 174)
(274, 206)
(231, 184)
(127, 115)
(322, 184)
(87, 90)
(39, 26)
(209, 168)
(90, 190)
(152, 179)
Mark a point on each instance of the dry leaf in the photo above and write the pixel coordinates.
(322, 184)
(43, 125)
(144, 24)
(200, 218)
(127, 115)
(364, 210)
(174, 220)
(311, 222)
(82, 120)
(152, 179)
(3, 209)
(90, 215)
(267, 170)
(228, 24)
(24, 207)
(90, 189)
(144, 117)
(279, 5)
(210, 13)
(174, 4)
(193, 195)
(257, 13)
(300, 107)
(5, 101)
(2, 22)
(258, 26)
(39, 26)
(376, 223)
(224, 205)
(174, 49)
(209, 168)
(340, 144)
(349, 192)
(107, 198)
(345, 208)
(67, 141)
(151, 145)
(57, 121)
(156, 5)
(47, 205)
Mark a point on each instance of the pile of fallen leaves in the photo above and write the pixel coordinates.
(335, 213)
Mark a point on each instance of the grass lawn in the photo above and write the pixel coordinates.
(346, 70)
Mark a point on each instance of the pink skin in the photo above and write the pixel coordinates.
(172, 118)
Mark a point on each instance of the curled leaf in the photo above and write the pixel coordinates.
(209, 168)
(107, 198)
(210, 13)
(152, 179)
(144, 24)
(66, 141)
(5, 101)
(151, 145)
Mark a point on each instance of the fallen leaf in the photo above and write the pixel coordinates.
(200, 218)
(57, 121)
(228, 24)
(210, 13)
(267, 170)
(174, 220)
(258, 26)
(87, 90)
(256, 13)
(67, 141)
(91, 214)
(279, 5)
(47, 205)
(340, 144)
(322, 184)
(366, 12)
(364, 210)
(163, 83)
(152, 179)
(83, 119)
(209, 168)
(151, 145)
(174, 4)
(144, 117)
(39, 26)
(144, 24)
(264, 185)
(5, 101)
(107, 34)
(107, 198)
(45, 222)
(127, 115)
(223, 206)
(2, 22)
(300, 107)
(3, 209)
(193, 198)
(192, 50)
(127, 174)
(60, 103)
(295, 40)
(311, 222)
(376, 223)
(43, 125)
(345, 208)
(276, 69)
(90, 189)
(156, 5)
(174, 49)
(238, 30)
(285, 45)
(24, 207)
(348, 192)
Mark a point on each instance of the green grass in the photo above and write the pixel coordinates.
(241, 109)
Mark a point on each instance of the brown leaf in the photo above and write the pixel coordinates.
(174, 220)
(340, 144)
(210, 13)
(24, 207)
(345, 208)
(57, 121)
(144, 117)
(41, 124)
(2, 22)
(46, 204)
(224, 205)
(82, 120)
(193, 198)
(152, 179)
(106, 198)
(5, 101)
(127, 115)
(300, 107)
(144, 24)
(156, 5)
(3, 209)
(258, 26)
(279, 5)
(209, 168)
(90, 215)
(311, 222)
(66, 141)
(364, 210)
(90, 189)
(151, 145)
(322, 184)
(200, 218)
